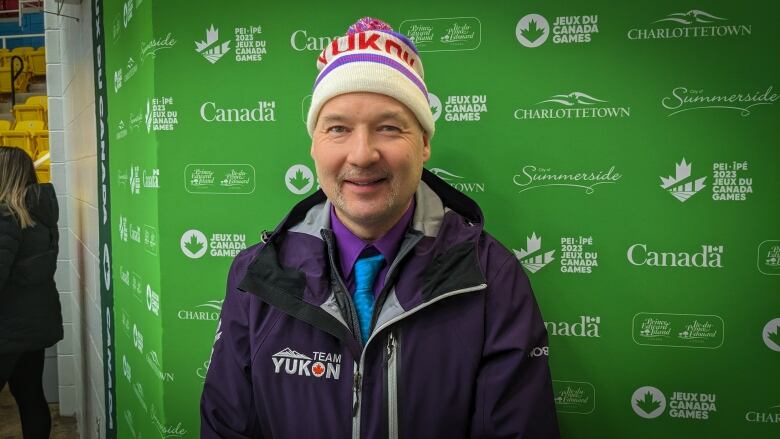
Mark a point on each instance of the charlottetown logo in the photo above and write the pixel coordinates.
(533, 177)
(264, 111)
(771, 334)
(691, 24)
(319, 365)
(684, 99)
(769, 415)
(650, 402)
(533, 258)
(154, 363)
(533, 30)
(211, 48)
(443, 34)
(299, 179)
(458, 182)
(300, 40)
(150, 48)
(768, 260)
(574, 397)
(682, 186)
(678, 330)
(586, 326)
(573, 105)
(207, 312)
(708, 257)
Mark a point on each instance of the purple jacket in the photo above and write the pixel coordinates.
(448, 356)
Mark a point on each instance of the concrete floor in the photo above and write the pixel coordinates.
(61, 427)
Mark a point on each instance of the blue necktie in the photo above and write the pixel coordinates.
(366, 269)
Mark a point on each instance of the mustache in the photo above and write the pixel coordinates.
(366, 174)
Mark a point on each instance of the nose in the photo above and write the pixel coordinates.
(362, 153)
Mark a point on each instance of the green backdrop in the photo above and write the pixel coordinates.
(627, 154)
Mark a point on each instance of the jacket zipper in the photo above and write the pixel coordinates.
(391, 374)
(358, 381)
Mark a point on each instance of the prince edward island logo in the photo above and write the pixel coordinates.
(319, 365)
(682, 186)
(533, 258)
(212, 49)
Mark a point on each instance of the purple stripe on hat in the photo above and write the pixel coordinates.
(403, 38)
(367, 57)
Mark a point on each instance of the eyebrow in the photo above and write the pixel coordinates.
(387, 115)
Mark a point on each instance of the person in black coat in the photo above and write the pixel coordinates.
(30, 315)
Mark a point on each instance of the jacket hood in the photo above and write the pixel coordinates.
(41, 200)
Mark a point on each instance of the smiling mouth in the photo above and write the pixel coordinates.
(365, 182)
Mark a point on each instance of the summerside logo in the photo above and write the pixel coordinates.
(695, 23)
(533, 258)
(683, 99)
(319, 365)
(573, 105)
(708, 257)
(458, 182)
(150, 48)
(533, 177)
(682, 186)
(211, 48)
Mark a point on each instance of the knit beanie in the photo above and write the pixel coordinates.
(372, 57)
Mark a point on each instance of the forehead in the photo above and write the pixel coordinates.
(364, 105)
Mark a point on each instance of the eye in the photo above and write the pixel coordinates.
(389, 128)
(336, 129)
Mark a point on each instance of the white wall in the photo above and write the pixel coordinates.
(72, 134)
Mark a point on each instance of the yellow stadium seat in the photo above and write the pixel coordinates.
(38, 61)
(40, 141)
(5, 124)
(43, 166)
(4, 55)
(31, 110)
(23, 134)
(21, 84)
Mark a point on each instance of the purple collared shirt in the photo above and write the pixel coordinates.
(350, 247)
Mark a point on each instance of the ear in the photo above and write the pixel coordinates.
(426, 153)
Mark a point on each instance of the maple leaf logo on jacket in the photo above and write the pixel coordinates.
(320, 364)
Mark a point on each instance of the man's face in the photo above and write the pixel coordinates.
(369, 151)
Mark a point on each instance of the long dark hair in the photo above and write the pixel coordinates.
(17, 174)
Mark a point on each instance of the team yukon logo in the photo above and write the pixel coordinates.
(533, 258)
(211, 48)
(319, 365)
(682, 186)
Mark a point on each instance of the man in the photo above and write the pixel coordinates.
(379, 307)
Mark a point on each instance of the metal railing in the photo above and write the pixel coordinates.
(12, 37)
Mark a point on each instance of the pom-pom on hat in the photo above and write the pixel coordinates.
(372, 57)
